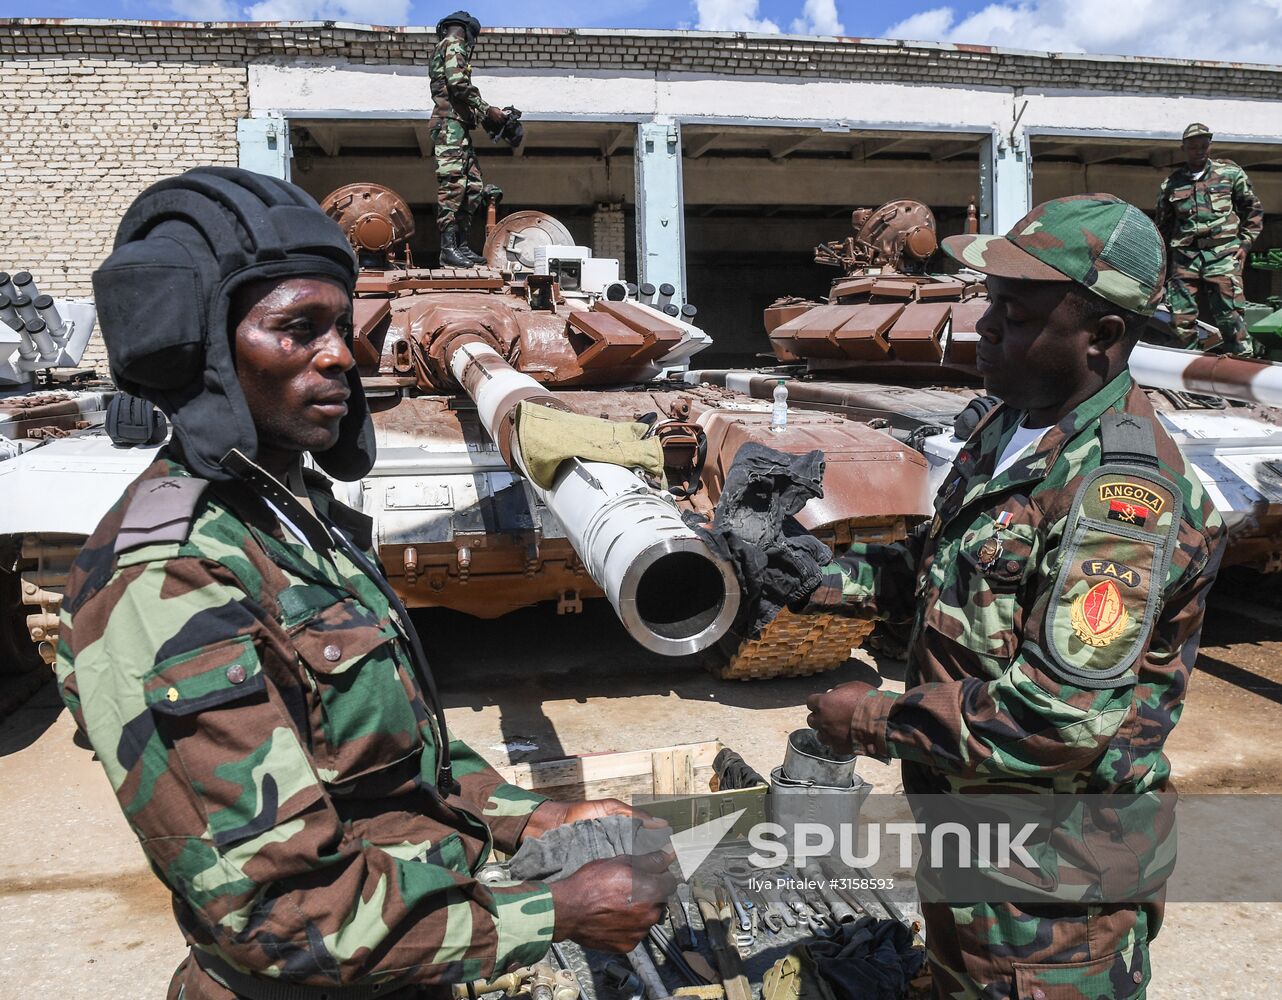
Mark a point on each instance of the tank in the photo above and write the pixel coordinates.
(454, 362)
(893, 345)
(44, 397)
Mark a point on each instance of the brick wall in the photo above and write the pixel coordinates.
(608, 228)
(90, 123)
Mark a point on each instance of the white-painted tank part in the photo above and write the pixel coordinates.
(631, 539)
(1189, 371)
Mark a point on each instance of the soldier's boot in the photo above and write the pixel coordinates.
(464, 228)
(451, 255)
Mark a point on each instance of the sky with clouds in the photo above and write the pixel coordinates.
(1237, 30)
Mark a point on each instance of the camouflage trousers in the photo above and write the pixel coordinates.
(460, 190)
(1008, 951)
(1215, 274)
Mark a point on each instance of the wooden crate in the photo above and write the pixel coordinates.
(674, 783)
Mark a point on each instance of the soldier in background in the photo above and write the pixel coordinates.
(1209, 217)
(1056, 599)
(457, 109)
(251, 683)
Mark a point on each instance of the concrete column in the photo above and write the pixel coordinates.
(608, 231)
(264, 145)
(660, 206)
(1006, 181)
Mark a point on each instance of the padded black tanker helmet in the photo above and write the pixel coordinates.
(164, 295)
(470, 25)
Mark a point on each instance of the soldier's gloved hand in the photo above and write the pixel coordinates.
(551, 814)
(610, 905)
(831, 713)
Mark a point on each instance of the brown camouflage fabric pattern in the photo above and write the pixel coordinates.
(1096, 240)
(254, 707)
(1206, 223)
(1053, 638)
(1218, 280)
(460, 188)
(454, 96)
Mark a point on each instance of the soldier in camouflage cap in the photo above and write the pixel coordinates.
(251, 684)
(1209, 217)
(1056, 598)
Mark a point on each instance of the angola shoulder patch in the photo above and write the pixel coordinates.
(1117, 547)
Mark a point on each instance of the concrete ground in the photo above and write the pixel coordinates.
(83, 918)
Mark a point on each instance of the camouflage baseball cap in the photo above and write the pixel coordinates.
(1196, 129)
(1096, 240)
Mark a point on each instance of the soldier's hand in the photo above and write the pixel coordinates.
(832, 712)
(495, 115)
(550, 815)
(610, 905)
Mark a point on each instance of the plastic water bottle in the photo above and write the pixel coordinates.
(779, 412)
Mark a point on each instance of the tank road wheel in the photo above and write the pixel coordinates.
(22, 670)
(790, 646)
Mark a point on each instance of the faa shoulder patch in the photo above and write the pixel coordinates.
(1119, 538)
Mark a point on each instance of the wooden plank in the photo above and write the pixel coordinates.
(606, 767)
(661, 772)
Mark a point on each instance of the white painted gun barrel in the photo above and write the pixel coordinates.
(1216, 375)
(671, 593)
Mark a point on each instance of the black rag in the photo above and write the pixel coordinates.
(869, 959)
(778, 562)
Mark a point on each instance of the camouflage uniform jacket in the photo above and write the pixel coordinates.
(454, 96)
(1045, 655)
(1218, 210)
(254, 706)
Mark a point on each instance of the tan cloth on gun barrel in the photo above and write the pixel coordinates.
(548, 437)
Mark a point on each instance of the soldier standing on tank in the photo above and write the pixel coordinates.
(457, 109)
(251, 683)
(1209, 217)
(1055, 600)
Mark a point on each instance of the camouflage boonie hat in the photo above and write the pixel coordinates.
(1196, 129)
(1096, 240)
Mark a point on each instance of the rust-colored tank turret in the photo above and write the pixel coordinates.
(446, 355)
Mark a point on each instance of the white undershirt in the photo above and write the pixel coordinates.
(1199, 175)
(1024, 439)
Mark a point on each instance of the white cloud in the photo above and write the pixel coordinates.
(733, 15)
(818, 17)
(1235, 30)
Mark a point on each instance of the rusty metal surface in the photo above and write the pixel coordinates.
(867, 473)
(457, 529)
(374, 218)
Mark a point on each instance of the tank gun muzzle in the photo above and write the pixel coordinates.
(669, 590)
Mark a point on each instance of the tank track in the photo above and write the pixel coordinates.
(796, 645)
